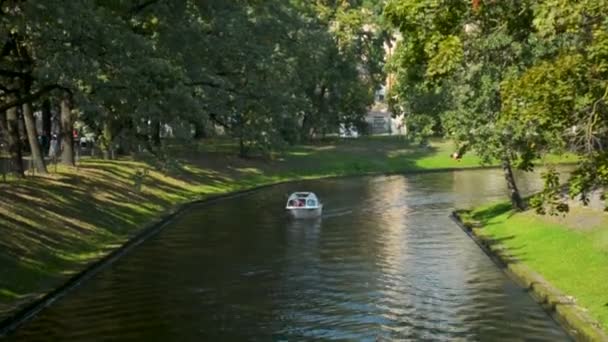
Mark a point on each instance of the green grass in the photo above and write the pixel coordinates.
(53, 226)
(571, 256)
(336, 158)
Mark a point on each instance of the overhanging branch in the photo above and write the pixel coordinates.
(232, 90)
(217, 120)
(140, 7)
(11, 73)
(6, 90)
(209, 84)
(31, 97)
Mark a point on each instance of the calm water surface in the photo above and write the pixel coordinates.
(384, 263)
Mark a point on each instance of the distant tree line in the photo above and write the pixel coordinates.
(270, 72)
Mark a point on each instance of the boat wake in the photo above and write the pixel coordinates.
(336, 213)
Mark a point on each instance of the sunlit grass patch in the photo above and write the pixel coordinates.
(7, 295)
(298, 153)
(50, 226)
(249, 170)
(573, 260)
(399, 152)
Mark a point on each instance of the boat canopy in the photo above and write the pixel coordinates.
(302, 200)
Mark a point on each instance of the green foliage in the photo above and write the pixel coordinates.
(552, 195)
(450, 65)
(590, 175)
(250, 67)
(430, 48)
(564, 92)
(510, 80)
(338, 77)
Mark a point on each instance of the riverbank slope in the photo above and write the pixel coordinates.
(564, 257)
(53, 227)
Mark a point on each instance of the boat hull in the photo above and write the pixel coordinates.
(305, 213)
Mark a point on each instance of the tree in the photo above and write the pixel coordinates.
(32, 136)
(450, 66)
(14, 143)
(565, 94)
(260, 69)
(341, 63)
(67, 126)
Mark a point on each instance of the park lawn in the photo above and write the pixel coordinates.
(335, 157)
(570, 252)
(52, 227)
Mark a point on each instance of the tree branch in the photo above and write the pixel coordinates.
(209, 84)
(6, 90)
(11, 73)
(8, 46)
(215, 119)
(232, 90)
(138, 8)
(31, 97)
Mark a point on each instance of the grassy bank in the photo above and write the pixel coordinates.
(52, 227)
(570, 252)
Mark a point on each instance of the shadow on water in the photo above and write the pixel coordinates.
(384, 262)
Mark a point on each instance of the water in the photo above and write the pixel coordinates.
(384, 263)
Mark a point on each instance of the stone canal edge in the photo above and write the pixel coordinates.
(573, 318)
(28, 311)
(23, 314)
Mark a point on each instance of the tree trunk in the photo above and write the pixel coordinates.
(199, 130)
(321, 112)
(4, 133)
(305, 132)
(106, 141)
(155, 133)
(46, 125)
(516, 201)
(32, 137)
(14, 143)
(22, 131)
(242, 147)
(67, 126)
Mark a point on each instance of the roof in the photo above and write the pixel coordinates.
(303, 194)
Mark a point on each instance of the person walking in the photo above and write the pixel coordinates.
(54, 147)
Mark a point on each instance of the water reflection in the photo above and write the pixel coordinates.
(383, 263)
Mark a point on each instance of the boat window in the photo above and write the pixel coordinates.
(311, 203)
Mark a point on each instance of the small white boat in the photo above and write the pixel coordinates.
(304, 205)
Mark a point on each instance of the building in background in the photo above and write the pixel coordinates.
(381, 121)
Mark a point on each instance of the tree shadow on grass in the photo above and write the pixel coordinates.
(53, 226)
(56, 225)
(491, 212)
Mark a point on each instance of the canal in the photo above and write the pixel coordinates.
(384, 262)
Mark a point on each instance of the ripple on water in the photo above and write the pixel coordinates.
(384, 263)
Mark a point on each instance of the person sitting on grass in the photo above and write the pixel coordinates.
(458, 154)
